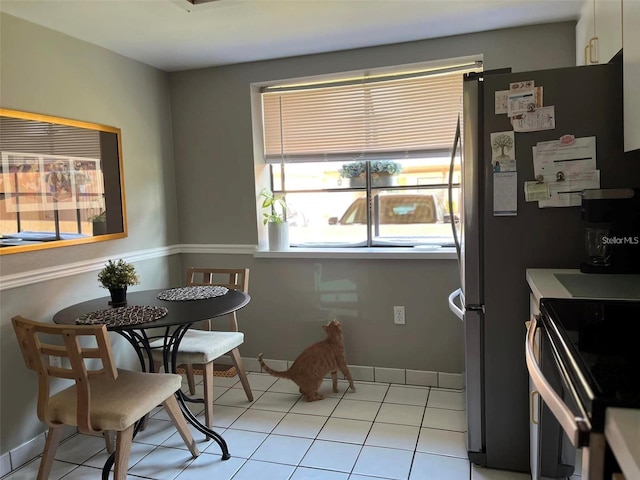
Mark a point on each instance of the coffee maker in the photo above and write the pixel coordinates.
(612, 235)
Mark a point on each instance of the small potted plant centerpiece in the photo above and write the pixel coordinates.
(275, 220)
(382, 172)
(117, 276)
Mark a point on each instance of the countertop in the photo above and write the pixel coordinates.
(543, 283)
(622, 425)
(622, 430)
(570, 283)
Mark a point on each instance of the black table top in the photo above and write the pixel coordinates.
(179, 312)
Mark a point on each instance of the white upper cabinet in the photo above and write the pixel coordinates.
(608, 21)
(605, 27)
(599, 31)
(585, 35)
(631, 74)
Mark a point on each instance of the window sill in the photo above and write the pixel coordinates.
(378, 253)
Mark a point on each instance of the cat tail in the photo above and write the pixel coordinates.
(270, 370)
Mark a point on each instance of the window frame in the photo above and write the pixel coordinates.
(372, 219)
(24, 139)
(280, 186)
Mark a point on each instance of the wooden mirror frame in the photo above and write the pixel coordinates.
(72, 176)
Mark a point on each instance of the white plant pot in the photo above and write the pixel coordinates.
(278, 236)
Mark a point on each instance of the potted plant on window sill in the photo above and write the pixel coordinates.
(278, 229)
(116, 277)
(382, 172)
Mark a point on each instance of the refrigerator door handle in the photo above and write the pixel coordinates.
(452, 305)
(573, 426)
(456, 140)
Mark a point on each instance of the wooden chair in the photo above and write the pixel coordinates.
(102, 398)
(203, 346)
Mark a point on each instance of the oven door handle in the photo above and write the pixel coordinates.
(574, 427)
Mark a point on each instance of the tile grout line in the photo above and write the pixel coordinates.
(342, 397)
(281, 420)
(370, 428)
(289, 410)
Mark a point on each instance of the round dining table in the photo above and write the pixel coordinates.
(179, 316)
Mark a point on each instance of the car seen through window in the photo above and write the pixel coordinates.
(394, 210)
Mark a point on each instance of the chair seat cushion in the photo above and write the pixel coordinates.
(116, 404)
(202, 346)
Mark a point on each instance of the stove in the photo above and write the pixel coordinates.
(598, 342)
(588, 360)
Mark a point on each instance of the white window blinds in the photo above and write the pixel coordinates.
(392, 119)
(41, 137)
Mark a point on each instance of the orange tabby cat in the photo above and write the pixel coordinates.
(315, 361)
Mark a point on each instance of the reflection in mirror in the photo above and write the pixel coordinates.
(61, 182)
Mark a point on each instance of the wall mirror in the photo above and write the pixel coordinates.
(61, 182)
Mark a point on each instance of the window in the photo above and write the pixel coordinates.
(366, 161)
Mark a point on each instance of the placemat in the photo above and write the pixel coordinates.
(115, 317)
(192, 293)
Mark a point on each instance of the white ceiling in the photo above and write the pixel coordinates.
(175, 35)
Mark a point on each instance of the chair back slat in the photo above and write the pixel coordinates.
(66, 342)
(53, 350)
(231, 278)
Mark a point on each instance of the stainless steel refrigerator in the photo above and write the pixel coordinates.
(495, 251)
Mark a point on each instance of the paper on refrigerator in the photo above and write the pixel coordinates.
(568, 193)
(501, 101)
(522, 101)
(503, 152)
(540, 119)
(516, 89)
(536, 191)
(568, 168)
(505, 198)
(524, 85)
(554, 160)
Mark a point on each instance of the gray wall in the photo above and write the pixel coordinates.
(292, 298)
(212, 116)
(208, 196)
(216, 197)
(46, 72)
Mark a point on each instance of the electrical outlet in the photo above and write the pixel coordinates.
(398, 315)
(55, 361)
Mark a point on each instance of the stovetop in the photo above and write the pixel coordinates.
(610, 286)
(603, 344)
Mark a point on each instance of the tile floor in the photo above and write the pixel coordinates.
(382, 431)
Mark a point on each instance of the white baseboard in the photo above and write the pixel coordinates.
(5, 464)
(400, 376)
(25, 453)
